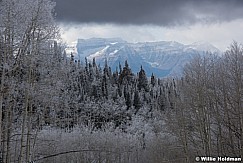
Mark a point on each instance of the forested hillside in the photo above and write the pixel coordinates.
(56, 109)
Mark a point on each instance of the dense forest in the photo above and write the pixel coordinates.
(56, 109)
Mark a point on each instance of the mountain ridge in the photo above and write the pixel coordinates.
(162, 58)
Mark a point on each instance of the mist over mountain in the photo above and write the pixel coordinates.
(163, 58)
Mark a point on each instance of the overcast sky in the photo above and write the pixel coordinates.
(216, 21)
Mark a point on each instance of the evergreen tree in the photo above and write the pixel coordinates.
(72, 57)
(153, 80)
(119, 90)
(94, 63)
(136, 102)
(142, 80)
(128, 100)
(94, 91)
(126, 74)
(105, 86)
(115, 77)
(106, 69)
(86, 65)
(120, 68)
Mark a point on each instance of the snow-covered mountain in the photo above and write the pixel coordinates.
(164, 58)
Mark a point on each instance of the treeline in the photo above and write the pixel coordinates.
(54, 108)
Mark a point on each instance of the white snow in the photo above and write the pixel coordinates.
(113, 43)
(113, 53)
(71, 48)
(203, 46)
(98, 53)
(154, 64)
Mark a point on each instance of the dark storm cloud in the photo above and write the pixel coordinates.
(157, 12)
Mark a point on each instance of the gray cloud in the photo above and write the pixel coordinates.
(156, 12)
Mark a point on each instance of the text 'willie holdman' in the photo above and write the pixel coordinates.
(219, 159)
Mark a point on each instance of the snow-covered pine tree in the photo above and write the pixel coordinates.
(136, 102)
(142, 80)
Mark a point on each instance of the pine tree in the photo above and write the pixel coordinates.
(115, 77)
(105, 86)
(94, 91)
(137, 102)
(126, 75)
(106, 69)
(120, 68)
(94, 63)
(128, 100)
(142, 80)
(72, 57)
(119, 87)
(153, 80)
(86, 66)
